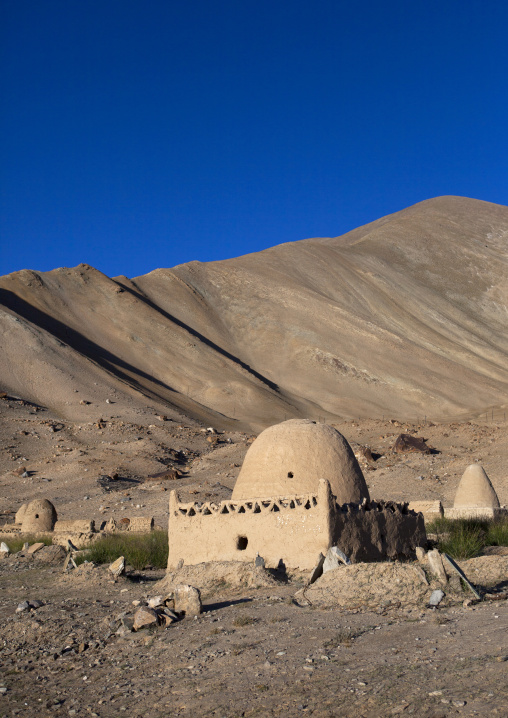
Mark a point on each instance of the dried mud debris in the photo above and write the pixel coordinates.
(218, 577)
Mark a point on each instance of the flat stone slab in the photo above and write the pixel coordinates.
(118, 566)
(335, 558)
(35, 547)
(436, 565)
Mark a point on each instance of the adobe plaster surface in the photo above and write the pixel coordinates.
(475, 498)
(475, 490)
(291, 530)
(39, 515)
(290, 458)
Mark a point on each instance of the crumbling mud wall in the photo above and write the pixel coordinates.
(377, 531)
(294, 528)
(80, 526)
(141, 524)
(431, 510)
(80, 532)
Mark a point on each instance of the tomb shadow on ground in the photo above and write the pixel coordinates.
(225, 604)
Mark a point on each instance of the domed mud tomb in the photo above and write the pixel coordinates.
(299, 492)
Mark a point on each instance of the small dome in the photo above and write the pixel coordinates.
(290, 458)
(39, 515)
(475, 490)
(19, 514)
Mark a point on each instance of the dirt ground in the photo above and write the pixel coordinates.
(253, 651)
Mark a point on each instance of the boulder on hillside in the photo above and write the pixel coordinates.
(406, 443)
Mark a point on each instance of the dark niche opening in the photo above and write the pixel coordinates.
(241, 543)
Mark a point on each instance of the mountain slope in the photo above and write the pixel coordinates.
(404, 316)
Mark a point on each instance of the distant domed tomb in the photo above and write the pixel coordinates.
(475, 496)
(39, 515)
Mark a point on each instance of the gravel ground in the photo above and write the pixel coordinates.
(253, 652)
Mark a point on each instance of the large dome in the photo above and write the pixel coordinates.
(288, 459)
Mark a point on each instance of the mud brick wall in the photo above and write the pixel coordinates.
(294, 529)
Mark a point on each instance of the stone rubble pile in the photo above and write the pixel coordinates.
(161, 611)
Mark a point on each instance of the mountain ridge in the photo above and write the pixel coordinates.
(406, 315)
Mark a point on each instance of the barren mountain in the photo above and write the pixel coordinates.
(405, 316)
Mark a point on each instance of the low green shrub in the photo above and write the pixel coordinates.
(140, 550)
(497, 533)
(15, 544)
(442, 525)
(464, 541)
(465, 538)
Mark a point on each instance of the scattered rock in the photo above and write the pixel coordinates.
(420, 553)
(155, 602)
(422, 574)
(364, 452)
(167, 616)
(118, 566)
(53, 555)
(406, 443)
(436, 597)
(187, 600)
(259, 562)
(4, 549)
(168, 475)
(145, 617)
(126, 626)
(29, 605)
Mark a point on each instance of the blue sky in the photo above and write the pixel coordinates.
(137, 134)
